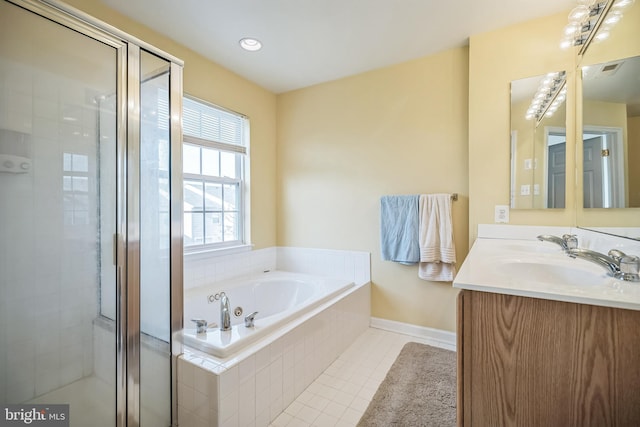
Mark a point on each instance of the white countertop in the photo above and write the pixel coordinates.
(531, 268)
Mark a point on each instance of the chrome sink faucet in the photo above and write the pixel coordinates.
(566, 242)
(617, 263)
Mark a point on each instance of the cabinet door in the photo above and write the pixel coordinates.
(528, 361)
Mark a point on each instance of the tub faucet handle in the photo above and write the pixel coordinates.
(249, 319)
(201, 326)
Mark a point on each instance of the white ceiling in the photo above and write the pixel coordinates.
(313, 41)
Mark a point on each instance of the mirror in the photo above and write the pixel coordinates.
(538, 142)
(623, 43)
(611, 134)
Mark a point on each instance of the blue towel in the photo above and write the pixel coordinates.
(399, 229)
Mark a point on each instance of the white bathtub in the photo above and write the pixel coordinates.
(278, 297)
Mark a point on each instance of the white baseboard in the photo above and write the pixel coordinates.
(434, 337)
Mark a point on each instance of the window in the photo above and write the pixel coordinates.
(75, 185)
(214, 161)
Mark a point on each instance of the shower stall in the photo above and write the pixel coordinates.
(90, 218)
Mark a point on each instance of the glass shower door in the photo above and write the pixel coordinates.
(58, 218)
(155, 241)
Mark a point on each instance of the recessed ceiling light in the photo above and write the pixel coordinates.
(250, 44)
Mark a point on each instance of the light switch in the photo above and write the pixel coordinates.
(528, 164)
(536, 189)
(525, 190)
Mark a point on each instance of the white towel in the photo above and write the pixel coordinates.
(437, 248)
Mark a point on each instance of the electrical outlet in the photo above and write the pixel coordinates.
(502, 214)
(525, 190)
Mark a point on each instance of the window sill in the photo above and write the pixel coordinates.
(208, 253)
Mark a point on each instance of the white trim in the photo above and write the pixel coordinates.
(434, 337)
(617, 150)
(197, 252)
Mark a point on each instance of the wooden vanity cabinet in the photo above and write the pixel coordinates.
(535, 362)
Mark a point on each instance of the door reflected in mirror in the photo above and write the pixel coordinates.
(611, 134)
(538, 142)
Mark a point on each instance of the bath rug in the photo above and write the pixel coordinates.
(419, 390)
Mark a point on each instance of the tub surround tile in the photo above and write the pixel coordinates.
(255, 388)
(207, 268)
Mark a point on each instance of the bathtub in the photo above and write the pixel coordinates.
(278, 297)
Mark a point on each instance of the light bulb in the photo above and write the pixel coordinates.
(566, 44)
(578, 14)
(613, 17)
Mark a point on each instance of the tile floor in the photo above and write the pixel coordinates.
(343, 391)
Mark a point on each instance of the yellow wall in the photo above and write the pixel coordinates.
(633, 159)
(495, 59)
(208, 81)
(344, 144)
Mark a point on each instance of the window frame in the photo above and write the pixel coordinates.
(241, 153)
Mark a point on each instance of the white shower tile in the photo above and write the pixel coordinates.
(200, 404)
(19, 392)
(201, 382)
(186, 372)
(247, 412)
(186, 397)
(263, 418)
(263, 380)
(275, 349)
(263, 400)
(228, 409)
(276, 406)
(229, 381)
(247, 368)
(262, 358)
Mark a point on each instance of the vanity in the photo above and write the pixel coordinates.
(544, 339)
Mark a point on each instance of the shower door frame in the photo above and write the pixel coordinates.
(127, 239)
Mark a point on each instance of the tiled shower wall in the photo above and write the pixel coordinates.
(48, 255)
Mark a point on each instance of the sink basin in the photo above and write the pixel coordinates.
(566, 272)
(533, 247)
(537, 269)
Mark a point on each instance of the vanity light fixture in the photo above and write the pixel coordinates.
(550, 95)
(250, 44)
(592, 19)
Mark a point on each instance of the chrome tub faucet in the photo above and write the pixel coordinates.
(225, 317)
